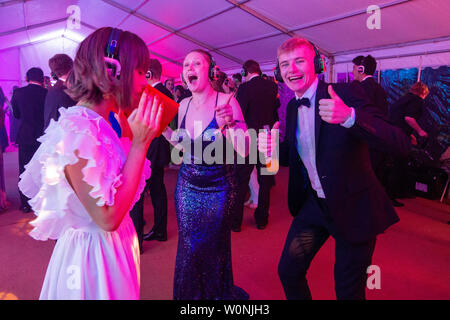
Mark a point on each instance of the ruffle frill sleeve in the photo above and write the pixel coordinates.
(43, 181)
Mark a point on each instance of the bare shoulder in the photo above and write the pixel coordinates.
(183, 105)
(182, 108)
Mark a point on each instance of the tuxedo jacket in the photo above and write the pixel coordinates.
(376, 94)
(259, 103)
(159, 151)
(55, 99)
(357, 203)
(28, 106)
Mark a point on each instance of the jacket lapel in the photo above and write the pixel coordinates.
(321, 93)
(292, 116)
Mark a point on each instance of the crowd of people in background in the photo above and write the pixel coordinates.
(405, 113)
(217, 194)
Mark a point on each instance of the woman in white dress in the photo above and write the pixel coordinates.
(83, 180)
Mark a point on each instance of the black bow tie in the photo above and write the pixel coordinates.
(303, 102)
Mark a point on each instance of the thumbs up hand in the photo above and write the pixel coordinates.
(334, 110)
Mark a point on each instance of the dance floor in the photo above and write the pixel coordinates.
(413, 255)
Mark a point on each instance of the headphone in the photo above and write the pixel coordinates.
(244, 72)
(54, 76)
(212, 70)
(112, 54)
(361, 68)
(319, 65)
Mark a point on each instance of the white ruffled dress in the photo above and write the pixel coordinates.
(87, 262)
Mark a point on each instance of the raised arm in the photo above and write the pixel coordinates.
(349, 108)
(144, 123)
(232, 124)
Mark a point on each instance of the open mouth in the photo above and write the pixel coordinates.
(192, 78)
(295, 78)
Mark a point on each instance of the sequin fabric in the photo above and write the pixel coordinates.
(203, 197)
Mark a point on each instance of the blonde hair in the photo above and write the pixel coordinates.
(292, 43)
(419, 89)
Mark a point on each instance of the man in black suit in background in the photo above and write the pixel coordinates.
(60, 66)
(159, 155)
(363, 70)
(332, 188)
(28, 106)
(259, 103)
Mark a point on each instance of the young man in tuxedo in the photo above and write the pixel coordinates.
(259, 103)
(60, 66)
(332, 188)
(28, 106)
(159, 155)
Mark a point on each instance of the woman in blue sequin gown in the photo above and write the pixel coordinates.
(205, 192)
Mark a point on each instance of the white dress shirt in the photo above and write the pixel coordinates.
(306, 137)
(306, 142)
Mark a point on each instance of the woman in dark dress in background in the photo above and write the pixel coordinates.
(205, 192)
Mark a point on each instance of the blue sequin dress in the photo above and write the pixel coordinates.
(203, 197)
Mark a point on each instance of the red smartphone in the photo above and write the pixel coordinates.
(170, 107)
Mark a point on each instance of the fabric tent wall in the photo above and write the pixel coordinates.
(16, 61)
(10, 70)
(37, 55)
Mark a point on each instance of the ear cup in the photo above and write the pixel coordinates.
(360, 69)
(212, 73)
(182, 79)
(318, 62)
(317, 65)
(277, 73)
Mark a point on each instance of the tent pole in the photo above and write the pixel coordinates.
(346, 74)
(420, 69)
(331, 69)
(379, 71)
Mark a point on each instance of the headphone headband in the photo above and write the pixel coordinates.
(112, 57)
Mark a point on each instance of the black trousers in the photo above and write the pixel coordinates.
(26, 152)
(400, 184)
(158, 195)
(308, 232)
(266, 182)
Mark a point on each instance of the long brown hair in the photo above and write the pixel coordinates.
(89, 79)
